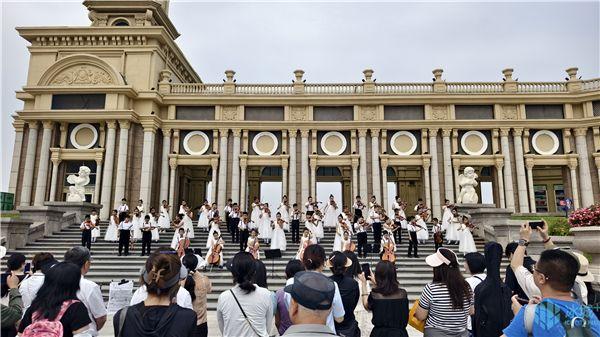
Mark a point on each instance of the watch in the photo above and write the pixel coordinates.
(523, 242)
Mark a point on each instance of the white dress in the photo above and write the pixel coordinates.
(264, 226)
(155, 235)
(96, 230)
(337, 241)
(304, 242)
(111, 231)
(175, 240)
(452, 230)
(164, 221)
(423, 234)
(255, 215)
(285, 215)
(203, 219)
(467, 244)
(278, 238)
(319, 233)
(136, 227)
(446, 217)
(330, 215)
(188, 225)
(211, 242)
(214, 227)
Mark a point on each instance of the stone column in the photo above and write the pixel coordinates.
(574, 185)
(521, 179)
(507, 170)
(109, 156)
(164, 166)
(384, 189)
(448, 185)
(500, 185)
(235, 166)
(435, 178)
(222, 188)
(44, 162)
(456, 166)
(16, 157)
(243, 184)
(304, 165)
(354, 179)
(530, 186)
(29, 164)
(376, 180)
(124, 126)
(313, 179)
(98, 183)
(54, 179)
(362, 151)
(587, 195)
(292, 170)
(426, 165)
(213, 189)
(284, 178)
(173, 167)
(147, 161)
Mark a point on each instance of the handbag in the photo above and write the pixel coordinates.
(413, 321)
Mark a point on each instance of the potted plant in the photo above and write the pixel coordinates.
(585, 227)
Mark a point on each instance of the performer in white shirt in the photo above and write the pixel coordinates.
(234, 219)
(86, 232)
(122, 210)
(265, 223)
(164, 221)
(452, 235)
(216, 246)
(154, 221)
(340, 228)
(305, 241)
(446, 214)
(295, 218)
(244, 230)
(256, 210)
(360, 228)
(253, 244)
(96, 221)
(188, 224)
(124, 235)
(318, 232)
(358, 208)
(226, 210)
(146, 228)
(140, 207)
(214, 228)
(176, 225)
(413, 242)
(310, 206)
(203, 216)
(111, 231)
(137, 222)
(467, 244)
(285, 213)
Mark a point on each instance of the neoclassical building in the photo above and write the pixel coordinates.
(121, 98)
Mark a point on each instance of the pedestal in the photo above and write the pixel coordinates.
(79, 209)
(493, 223)
(586, 239)
(51, 216)
(16, 232)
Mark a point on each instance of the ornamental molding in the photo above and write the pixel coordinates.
(368, 113)
(298, 113)
(439, 112)
(80, 69)
(510, 112)
(230, 113)
(82, 75)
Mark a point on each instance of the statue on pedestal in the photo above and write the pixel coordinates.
(77, 192)
(467, 183)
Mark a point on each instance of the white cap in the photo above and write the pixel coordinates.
(437, 259)
(583, 274)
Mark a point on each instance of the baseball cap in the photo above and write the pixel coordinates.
(437, 259)
(312, 290)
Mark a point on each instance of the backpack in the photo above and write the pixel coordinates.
(572, 329)
(46, 328)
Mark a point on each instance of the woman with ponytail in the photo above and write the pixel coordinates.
(338, 263)
(158, 315)
(246, 309)
(198, 285)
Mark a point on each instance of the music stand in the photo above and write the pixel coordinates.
(272, 254)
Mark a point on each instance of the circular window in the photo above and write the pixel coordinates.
(403, 143)
(545, 142)
(333, 143)
(265, 143)
(84, 136)
(474, 143)
(196, 143)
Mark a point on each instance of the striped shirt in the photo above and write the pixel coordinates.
(436, 299)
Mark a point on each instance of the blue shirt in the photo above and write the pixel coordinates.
(549, 325)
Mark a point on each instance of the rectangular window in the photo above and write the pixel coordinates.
(596, 108)
(78, 101)
(559, 195)
(474, 111)
(544, 111)
(541, 198)
(263, 113)
(201, 113)
(404, 112)
(333, 113)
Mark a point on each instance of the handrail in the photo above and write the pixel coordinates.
(541, 87)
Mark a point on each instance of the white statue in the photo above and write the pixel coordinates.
(467, 183)
(77, 192)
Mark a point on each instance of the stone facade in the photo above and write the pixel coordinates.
(134, 62)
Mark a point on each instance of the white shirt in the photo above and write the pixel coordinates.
(358, 228)
(474, 281)
(183, 297)
(125, 225)
(258, 306)
(29, 288)
(123, 208)
(243, 225)
(309, 207)
(525, 280)
(90, 295)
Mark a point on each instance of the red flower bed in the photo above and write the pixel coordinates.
(585, 217)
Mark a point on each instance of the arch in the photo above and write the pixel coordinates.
(271, 171)
(81, 69)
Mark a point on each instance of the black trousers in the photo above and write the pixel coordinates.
(234, 230)
(376, 236)
(228, 222)
(362, 243)
(243, 239)
(295, 231)
(124, 240)
(398, 234)
(413, 243)
(86, 238)
(146, 242)
(201, 330)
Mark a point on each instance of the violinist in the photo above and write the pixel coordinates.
(398, 218)
(413, 243)
(359, 208)
(253, 244)
(243, 228)
(360, 228)
(347, 244)
(437, 234)
(146, 229)
(467, 244)
(310, 206)
(388, 248)
(375, 215)
(215, 253)
(86, 232)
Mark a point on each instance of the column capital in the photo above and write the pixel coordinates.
(499, 164)
(354, 163)
(151, 128)
(292, 133)
(166, 132)
(304, 133)
(124, 124)
(33, 125)
(313, 163)
(223, 133)
(48, 124)
(529, 163)
(243, 162)
(236, 132)
(426, 163)
(433, 132)
(55, 160)
(446, 133)
(456, 164)
(504, 132)
(112, 124)
(362, 132)
(64, 126)
(384, 164)
(284, 163)
(173, 163)
(580, 132)
(518, 132)
(572, 163)
(375, 133)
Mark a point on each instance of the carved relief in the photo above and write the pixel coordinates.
(368, 113)
(298, 113)
(229, 113)
(82, 75)
(509, 112)
(439, 112)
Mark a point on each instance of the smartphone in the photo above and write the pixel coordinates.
(536, 224)
(522, 301)
(27, 267)
(366, 269)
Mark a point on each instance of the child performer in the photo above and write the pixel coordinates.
(413, 243)
(264, 223)
(305, 241)
(215, 252)
(188, 224)
(146, 235)
(111, 231)
(447, 214)
(295, 217)
(214, 228)
(86, 232)
(177, 224)
(243, 228)
(467, 244)
(136, 224)
(452, 234)
(164, 221)
(122, 210)
(388, 248)
(253, 244)
(340, 228)
(437, 234)
(398, 227)
(347, 244)
(423, 233)
(278, 240)
(234, 220)
(256, 210)
(203, 219)
(183, 242)
(154, 222)
(95, 220)
(284, 209)
(360, 228)
(318, 221)
(124, 235)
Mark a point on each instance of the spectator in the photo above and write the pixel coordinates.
(246, 309)
(338, 263)
(260, 276)
(158, 315)
(183, 297)
(363, 317)
(89, 292)
(59, 291)
(314, 260)
(198, 285)
(510, 279)
(282, 317)
(312, 296)
(447, 302)
(492, 297)
(387, 301)
(15, 266)
(554, 274)
(29, 287)
(12, 312)
(474, 265)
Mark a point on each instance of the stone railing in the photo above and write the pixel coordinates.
(196, 88)
(474, 87)
(541, 87)
(592, 84)
(403, 88)
(333, 88)
(264, 89)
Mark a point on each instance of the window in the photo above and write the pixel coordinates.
(329, 171)
(544, 111)
(272, 171)
(202, 113)
(121, 23)
(404, 112)
(333, 113)
(78, 101)
(474, 111)
(559, 195)
(541, 198)
(596, 108)
(263, 113)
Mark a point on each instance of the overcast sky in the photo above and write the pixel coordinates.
(335, 41)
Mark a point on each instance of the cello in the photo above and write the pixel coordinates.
(388, 252)
(215, 256)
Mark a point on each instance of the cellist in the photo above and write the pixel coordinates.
(215, 253)
(388, 247)
(183, 243)
(347, 244)
(253, 244)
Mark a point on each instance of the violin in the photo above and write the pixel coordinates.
(388, 253)
(254, 248)
(215, 258)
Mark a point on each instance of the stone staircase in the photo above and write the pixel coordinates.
(413, 273)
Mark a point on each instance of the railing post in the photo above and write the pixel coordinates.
(573, 83)
(298, 82)
(164, 84)
(229, 85)
(368, 82)
(439, 85)
(510, 85)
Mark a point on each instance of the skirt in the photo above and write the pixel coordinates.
(111, 233)
(278, 239)
(264, 228)
(203, 220)
(467, 244)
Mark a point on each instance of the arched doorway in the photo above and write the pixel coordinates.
(408, 181)
(265, 182)
(334, 180)
(194, 185)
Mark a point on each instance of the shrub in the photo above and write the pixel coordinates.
(589, 216)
